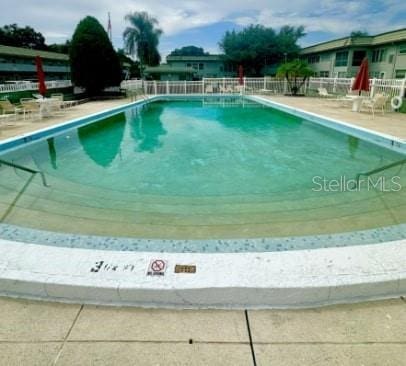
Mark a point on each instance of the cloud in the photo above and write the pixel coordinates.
(335, 18)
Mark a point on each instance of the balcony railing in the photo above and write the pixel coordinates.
(21, 86)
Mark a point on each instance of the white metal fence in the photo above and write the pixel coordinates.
(22, 86)
(342, 86)
(265, 85)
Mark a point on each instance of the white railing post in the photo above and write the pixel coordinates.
(264, 82)
(402, 88)
(155, 88)
(335, 85)
(167, 87)
(372, 92)
(244, 81)
(285, 86)
(224, 85)
(185, 87)
(352, 83)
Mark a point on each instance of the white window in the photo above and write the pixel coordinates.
(400, 74)
(378, 55)
(313, 59)
(341, 58)
(390, 58)
(324, 57)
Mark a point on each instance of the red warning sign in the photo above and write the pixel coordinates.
(157, 267)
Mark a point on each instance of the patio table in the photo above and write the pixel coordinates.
(356, 102)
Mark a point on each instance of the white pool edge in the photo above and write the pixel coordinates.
(290, 279)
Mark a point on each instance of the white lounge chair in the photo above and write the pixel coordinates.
(209, 89)
(38, 96)
(324, 93)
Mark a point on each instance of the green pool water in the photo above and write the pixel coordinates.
(193, 170)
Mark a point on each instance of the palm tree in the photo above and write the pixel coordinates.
(296, 73)
(141, 38)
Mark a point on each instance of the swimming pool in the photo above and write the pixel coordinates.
(207, 175)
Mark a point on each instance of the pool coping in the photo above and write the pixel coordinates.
(293, 279)
(289, 279)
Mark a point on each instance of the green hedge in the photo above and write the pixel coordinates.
(14, 97)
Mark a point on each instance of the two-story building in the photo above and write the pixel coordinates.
(19, 64)
(342, 57)
(191, 68)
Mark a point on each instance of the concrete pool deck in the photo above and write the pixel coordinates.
(41, 333)
(13, 128)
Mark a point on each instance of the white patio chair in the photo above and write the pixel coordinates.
(6, 107)
(31, 107)
(56, 106)
(375, 103)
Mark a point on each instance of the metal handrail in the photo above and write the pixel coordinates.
(377, 170)
(26, 169)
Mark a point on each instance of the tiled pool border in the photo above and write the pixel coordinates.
(237, 245)
(297, 278)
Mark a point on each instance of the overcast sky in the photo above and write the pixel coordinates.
(203, 22)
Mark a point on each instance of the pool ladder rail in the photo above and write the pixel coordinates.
(26, 169)
(377, 170)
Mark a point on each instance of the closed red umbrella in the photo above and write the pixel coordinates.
(241, 75)
(42, 88)
(361, 81)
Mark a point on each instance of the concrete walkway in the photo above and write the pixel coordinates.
(39, 333)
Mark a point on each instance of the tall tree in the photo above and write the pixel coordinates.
(359, 33)
(189, 51)
(141, 38)
(257, 46)
(27, 37)
(94, 62)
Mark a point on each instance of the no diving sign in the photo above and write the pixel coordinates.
(157, 267)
